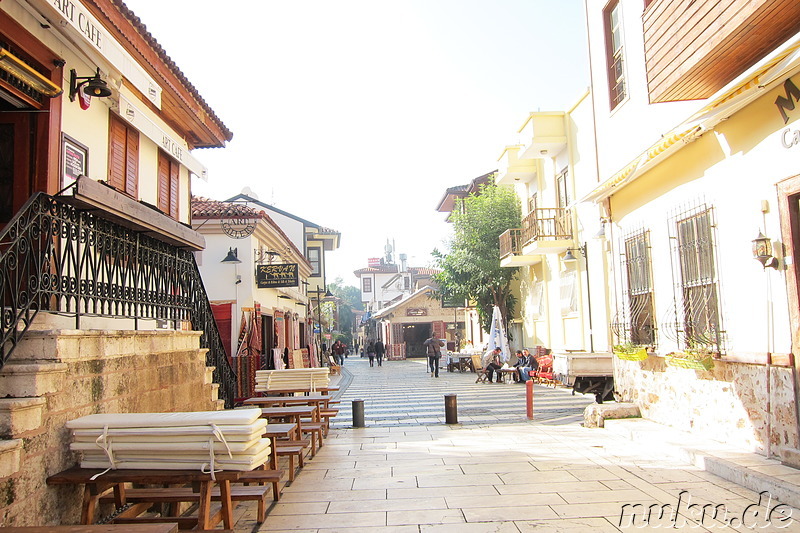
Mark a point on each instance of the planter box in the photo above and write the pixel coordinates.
(707, 363)
(638, 355)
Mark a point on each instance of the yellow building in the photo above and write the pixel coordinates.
(697, 158)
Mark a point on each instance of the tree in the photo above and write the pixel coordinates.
(348, 298)
(471, 270)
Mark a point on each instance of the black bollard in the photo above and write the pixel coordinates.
(358, 414)
(450, 409)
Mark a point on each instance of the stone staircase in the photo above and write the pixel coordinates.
(58, 375)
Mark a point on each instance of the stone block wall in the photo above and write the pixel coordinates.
(57, 376)
(729, 403)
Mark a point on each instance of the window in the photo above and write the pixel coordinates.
(638, 315)
(314, 259)
(562, 189)
(569, 301)
(366, 284)
(615, 60)
(123, 157)
(698, 322)
(168, 174)
(533, 203)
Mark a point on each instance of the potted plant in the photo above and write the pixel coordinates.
(693, 358)
(630, 351)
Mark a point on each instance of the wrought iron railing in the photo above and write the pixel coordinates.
(59, 259)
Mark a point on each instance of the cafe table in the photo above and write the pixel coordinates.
(296, 413)
(96, 482)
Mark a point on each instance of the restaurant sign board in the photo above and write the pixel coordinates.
(272, 276)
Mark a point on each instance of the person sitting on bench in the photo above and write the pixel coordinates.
(493, 366)
(525, 364)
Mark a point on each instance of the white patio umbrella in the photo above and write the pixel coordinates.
(498, 337)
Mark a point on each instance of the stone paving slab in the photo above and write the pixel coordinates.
(512, 476)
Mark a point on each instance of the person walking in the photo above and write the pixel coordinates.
(434, 354)
(371, 353)
(380, 349)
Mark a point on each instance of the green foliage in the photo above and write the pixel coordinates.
(471, 270)
(341, 315)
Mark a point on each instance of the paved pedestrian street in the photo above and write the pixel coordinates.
(495, 471)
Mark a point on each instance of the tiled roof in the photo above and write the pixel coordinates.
(207, 208)
(142, 29)
(424, 271)
(383, 269)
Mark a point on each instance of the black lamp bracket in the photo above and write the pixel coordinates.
(76, 82)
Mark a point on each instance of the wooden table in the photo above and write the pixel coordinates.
(508, 374)
(116, 479)
(104, 528)
(301, 390)
(273, 432)
(295, 413)
(282, 401)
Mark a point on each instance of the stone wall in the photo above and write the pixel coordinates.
(57, 376)
(728, 403)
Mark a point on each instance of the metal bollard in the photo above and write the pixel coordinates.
(529, 398)
(358, 414)
(450, 409)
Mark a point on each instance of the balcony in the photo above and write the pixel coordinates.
(544, 230)
(693, 49)
(511, 169)
(543, 135)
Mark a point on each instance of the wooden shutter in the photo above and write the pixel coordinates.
(132, 164)
(174, 171)
(116, 153)
(163, 182)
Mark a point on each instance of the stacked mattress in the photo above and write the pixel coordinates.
(292, 378)
(206, 440)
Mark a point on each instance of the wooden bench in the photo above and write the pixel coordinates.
(326, 415)
(261, 476)
(292, 449)
(257, 493)
(104, 528)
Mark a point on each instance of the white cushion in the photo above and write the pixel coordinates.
(142, 420)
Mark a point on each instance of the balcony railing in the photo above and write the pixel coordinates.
(57, 258)
(548, 223)
(511, 242)
(541, 224)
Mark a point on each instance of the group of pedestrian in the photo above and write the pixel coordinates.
(375, 349)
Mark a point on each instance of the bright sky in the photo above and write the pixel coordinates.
(358, 115)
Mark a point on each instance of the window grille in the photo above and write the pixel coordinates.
(698, 320)
(635, 321)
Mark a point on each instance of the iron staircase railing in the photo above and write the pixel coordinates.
(57, 258)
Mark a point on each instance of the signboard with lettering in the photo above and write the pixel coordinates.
(272, 276)
(416, 311)
(451, 302)
(74, 158)
(373, 262)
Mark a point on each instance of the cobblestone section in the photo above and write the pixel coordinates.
(403, 393)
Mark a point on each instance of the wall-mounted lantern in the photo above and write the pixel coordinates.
(762, 251)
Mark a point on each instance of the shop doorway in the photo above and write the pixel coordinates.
(414, 335)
